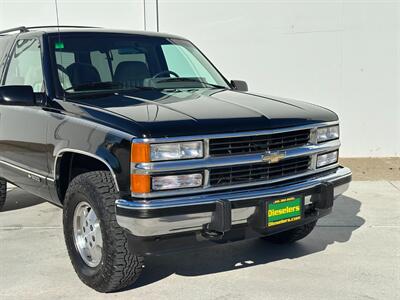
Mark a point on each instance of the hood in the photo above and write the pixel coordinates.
(204, 111)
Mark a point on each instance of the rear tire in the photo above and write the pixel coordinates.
(3, 192)
(115, 266)
(292, 235)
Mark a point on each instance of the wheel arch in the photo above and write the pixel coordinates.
(67, 154)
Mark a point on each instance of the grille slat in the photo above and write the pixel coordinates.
(258, 172)
(260, 169)
(259, 143)
(256, 139)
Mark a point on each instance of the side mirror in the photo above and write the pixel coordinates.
(240, 85)
(21, 95)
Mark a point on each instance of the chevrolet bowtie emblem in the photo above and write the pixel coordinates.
(273, 157)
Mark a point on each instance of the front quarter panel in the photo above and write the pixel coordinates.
(68, 132)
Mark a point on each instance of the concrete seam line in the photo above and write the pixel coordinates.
(392, 184)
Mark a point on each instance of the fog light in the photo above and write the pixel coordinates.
(327, 159)
(176, 181)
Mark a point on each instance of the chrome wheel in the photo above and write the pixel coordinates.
(87, 234)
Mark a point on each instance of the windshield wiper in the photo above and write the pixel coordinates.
(183, 79)
(95, 85)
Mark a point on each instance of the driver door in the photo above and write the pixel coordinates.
(23, 129)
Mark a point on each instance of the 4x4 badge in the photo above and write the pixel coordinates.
(273, 157)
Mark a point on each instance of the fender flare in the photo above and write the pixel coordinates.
(70, 150)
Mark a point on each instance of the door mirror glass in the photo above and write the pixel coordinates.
(240, 85)
(17, 95)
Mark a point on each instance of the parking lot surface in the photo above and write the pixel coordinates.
(352, 254)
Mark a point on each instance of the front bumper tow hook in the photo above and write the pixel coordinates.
(221, 220)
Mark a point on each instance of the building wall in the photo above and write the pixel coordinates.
(344, 55)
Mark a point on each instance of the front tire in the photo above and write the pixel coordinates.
(292, 235)
(3, 192)
(97, 245)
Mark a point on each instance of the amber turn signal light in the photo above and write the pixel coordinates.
(140, 183)
(140, 153)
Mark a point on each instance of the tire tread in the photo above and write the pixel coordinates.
(3, 192)
(121, 267)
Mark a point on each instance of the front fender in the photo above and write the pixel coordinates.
(68, 133)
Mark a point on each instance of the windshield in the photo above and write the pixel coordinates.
(111, 62)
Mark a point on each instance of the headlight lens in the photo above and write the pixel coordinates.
(176, 181)
(327, 133)
(175, 151)
(327, 159)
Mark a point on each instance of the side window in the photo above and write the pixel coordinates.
(3, 45)
(184, 63)
(25, 67)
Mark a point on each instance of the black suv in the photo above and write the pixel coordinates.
(149, 149)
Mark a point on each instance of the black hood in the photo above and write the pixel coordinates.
(205, 111)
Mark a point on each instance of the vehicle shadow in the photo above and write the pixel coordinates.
(337, 227)
(18, 199)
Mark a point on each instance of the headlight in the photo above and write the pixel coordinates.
(175, 151)
(327, 159)
(325, 134)
(176, 181)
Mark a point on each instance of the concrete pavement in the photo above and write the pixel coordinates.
(352, 254)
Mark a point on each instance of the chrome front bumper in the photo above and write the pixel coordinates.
(191, 213)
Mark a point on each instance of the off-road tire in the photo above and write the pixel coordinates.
(119, 267)
(3, 192)
(292, 235)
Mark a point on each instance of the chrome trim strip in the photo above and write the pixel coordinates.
(60, 152)
(340, 190)
(204, 189)
(195, 221)
(23, 170)
(340, 173)
(221, 161)
(179, 223)
(233, 134)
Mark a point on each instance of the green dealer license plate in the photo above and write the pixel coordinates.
(283, 211)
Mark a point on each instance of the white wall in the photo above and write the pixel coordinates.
(344, 55)
(103, 13)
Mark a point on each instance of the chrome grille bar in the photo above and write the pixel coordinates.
(258, 172)
(258, 143)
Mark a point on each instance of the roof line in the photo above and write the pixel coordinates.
(60, 26)
(20, 29)
(26, 29)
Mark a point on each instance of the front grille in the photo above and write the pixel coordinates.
(259, 143)
(249, 173)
